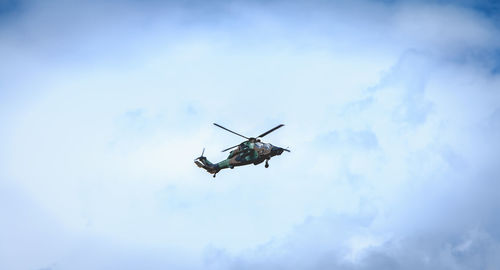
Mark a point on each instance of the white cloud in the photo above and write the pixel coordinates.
(390, 112)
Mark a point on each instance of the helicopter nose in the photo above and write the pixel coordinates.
(276, 150)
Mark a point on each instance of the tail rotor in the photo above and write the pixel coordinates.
(200, 157)
(203, 162)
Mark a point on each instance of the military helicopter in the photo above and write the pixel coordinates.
(250, 151)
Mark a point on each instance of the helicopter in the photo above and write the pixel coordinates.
(251, 151)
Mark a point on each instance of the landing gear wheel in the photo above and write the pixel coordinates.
(215, 175)
(267, 165)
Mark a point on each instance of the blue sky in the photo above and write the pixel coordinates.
(392, 113)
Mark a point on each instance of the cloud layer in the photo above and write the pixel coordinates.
(392, 112)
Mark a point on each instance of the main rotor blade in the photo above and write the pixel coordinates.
(230, 148)
(230, 131)
(269, 131)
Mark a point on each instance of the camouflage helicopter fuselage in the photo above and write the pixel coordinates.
(246, 153)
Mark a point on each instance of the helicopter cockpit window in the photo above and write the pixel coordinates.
(262, 148)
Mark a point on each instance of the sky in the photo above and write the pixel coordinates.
(391, 113)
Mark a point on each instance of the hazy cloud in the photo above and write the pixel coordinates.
(391, 111)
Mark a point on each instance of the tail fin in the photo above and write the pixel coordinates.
(203, 162)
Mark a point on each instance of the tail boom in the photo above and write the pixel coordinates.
(203, 162)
